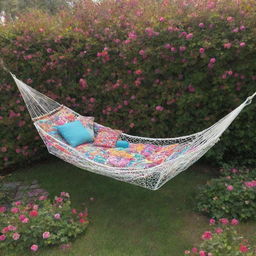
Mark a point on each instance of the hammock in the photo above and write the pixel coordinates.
(190, 148)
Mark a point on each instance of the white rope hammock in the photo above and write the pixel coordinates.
(152, 178)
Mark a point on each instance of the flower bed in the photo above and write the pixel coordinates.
(221, 239)
(233, 195)
(31, 226)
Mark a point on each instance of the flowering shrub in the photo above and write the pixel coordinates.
(222, 239)
(152, 68)
(232, 195)
(40, 224)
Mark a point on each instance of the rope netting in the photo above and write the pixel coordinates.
(194, 146)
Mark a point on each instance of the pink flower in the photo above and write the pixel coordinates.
(189, 36)
(34, 247)
(22, 217)
(224, 221)
(35, 207)
(187, 252)
(83, 83)
(5, 230)
(15, 210)
(201, 50)
(235, 30)
(25, 220)
(243, 248)
(183, 48)
(250, 184)
(74, 211)
(227, 45)
(141, 52)
(218, 230)
(16, 236)
(230, 187)
(33, 213)
(242, 28)
(92, 100)
(41, 198)
(234, 222)
(194, 250)
(230, 19)
(191, 88)
(57, 216)
(58, 199)
(65, 194)
(159, 108)
(201, 25)
(202, 253)
(242, 44)
(161, 19)
(167, 46)
(2, 237)
(46, 235)
(2, 209)
(11, 228)
(132, 35)
(138, 72)
(212, 60)
(212, 221)
(173, 49)
(82, 221)
(207, 235)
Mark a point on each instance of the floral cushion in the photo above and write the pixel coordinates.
(63, 116)
(107, 138)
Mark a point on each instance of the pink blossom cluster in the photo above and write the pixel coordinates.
(250, 184)
(22, 214)
(209, 235)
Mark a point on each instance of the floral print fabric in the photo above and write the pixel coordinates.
(63, 116)
(103, 149)
(88, 122)
(107, 138)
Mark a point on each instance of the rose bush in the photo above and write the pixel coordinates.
(31, 226)
(221, 239)
(233, 195)
(152, 68)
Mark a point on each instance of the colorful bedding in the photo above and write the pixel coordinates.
(136, 155)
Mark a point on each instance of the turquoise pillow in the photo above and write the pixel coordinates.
(122, 144)
(75, 133)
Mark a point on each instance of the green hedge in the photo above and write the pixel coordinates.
(149, 68)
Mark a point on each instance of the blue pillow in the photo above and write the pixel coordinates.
(75, 133)
(122, 144)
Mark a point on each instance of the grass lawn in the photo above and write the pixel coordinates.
(127, 220)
